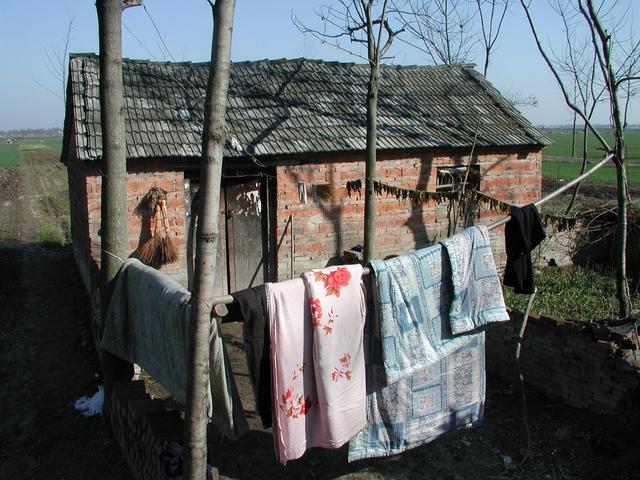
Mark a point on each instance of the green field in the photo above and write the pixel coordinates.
(10, 152)
(562, 170)
(9, 155)
(53, 142)
(562, 139)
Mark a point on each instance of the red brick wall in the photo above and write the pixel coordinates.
(324, 229)
(562, 359)
(79, 220)
(85, 192)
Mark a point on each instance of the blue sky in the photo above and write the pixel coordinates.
(30, 28)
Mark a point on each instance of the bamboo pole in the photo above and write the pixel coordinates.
(557, 192)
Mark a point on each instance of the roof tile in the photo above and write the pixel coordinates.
(297, 106)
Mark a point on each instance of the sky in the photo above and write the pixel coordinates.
(32, 30)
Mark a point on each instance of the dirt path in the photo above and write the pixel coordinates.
(46, 363)
(17, 222)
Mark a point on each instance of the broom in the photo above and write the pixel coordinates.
(159, 249)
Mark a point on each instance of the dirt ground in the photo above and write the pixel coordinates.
(47, 362)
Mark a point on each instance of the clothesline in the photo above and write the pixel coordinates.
(228, 299)
(557, 192)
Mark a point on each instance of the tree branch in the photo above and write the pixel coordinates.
(567, 99)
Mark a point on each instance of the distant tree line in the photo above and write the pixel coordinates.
(31, 132)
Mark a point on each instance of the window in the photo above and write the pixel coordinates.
(451, 178)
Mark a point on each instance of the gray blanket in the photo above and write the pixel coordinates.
(147, 323)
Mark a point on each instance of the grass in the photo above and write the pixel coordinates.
(9, 155)
(51, 235)
(562, 139)
(559, 169)
(10, 152)
(575, 292)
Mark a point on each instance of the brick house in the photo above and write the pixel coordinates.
(296, 135)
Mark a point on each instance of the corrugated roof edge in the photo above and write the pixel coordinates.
(507, 107)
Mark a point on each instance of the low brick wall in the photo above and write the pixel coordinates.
(562, 359)
(141, 425)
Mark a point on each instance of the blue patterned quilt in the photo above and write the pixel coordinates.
(477, 292)
(445, 396)
(423, 379)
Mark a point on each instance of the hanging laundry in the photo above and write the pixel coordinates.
(147, 323)
(414, 297)
(317, 360)
(522, 233)
(477, 294)
(250, 307)
(442, 397)
(337, 305)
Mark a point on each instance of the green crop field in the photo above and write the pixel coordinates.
(9, 155)
(569, 170)
(562, 140)
(10, 152)
(53, 142)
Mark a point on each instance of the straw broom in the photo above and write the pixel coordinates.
(159, 249)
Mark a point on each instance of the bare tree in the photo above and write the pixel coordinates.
(449, 31)
(56, 62)
(617, 62)
(578, 65)
(492, 14)
(518, 98)
(365, 23)
(444, 29)
(200, 325)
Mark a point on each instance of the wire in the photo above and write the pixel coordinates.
(158, 32)
(233, 142)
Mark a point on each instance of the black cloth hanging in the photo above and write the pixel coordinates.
(522, 234)
(250, 307)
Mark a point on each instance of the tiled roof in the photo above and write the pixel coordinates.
(296, 106)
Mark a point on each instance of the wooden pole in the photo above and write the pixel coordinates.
(206, 241)
(113, 221)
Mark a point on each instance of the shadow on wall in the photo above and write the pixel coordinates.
(596, 240)
(415, 222)
(329, 205)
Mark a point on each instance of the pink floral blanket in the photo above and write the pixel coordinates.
(317, 356)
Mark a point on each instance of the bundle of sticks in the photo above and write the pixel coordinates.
(159, 249)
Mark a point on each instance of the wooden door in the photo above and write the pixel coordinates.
(243, 212)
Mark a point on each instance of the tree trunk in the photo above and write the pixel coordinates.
(206, 242)
(113, 222)
(370, 168)
(622, 285)
(573, 137)
(583, 167)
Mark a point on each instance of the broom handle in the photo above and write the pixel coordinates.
(164, 216)
(156, 215)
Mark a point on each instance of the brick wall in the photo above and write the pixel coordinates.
(321, 230)
(79, 221)
(324, 229)
(562, 359)
(142, 425)
(85, 193)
